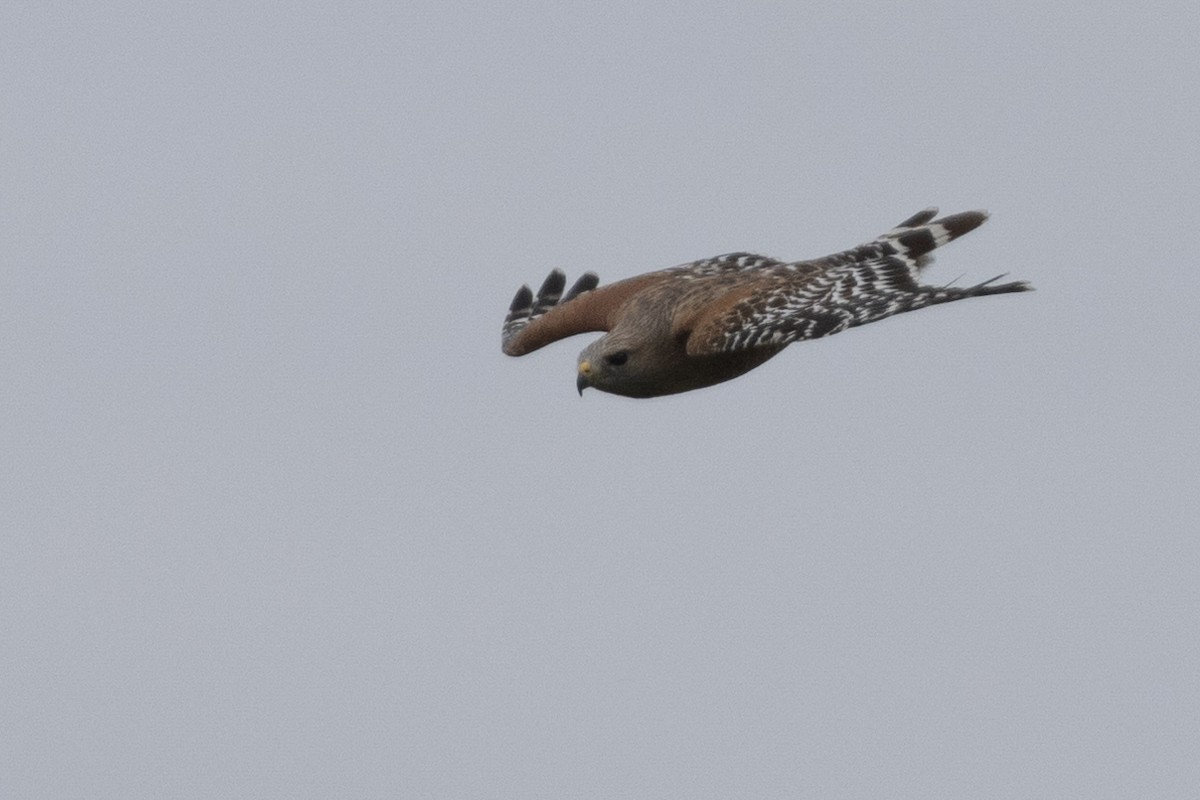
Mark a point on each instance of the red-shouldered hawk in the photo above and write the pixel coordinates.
(705, 322)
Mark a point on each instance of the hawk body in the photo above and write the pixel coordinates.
(708, 321)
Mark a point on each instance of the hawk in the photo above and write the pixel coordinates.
(701, 323)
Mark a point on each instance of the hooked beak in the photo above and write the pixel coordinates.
(581, 380)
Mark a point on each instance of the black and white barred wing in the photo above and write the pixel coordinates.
(810, 299)
(728, 265)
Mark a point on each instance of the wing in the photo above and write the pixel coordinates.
(809, 299)
(536, 321)
(728, 264)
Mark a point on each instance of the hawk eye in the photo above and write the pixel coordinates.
(618, 358)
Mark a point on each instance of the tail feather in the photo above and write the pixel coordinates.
(987, 287)
(945, 294)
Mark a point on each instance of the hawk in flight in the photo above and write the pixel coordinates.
(705, 322)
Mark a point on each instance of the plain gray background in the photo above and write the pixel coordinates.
(279, 520)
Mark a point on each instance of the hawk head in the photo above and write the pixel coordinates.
(616, 365)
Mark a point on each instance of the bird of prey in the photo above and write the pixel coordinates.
(708, 321)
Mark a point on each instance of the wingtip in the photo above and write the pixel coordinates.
(587, 281)
(522, 300)
(554, 283)
(919, 218)
(956, 225)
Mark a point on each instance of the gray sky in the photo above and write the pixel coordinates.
(279, 520)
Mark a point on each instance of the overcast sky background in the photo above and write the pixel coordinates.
(279, 520)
